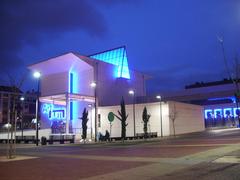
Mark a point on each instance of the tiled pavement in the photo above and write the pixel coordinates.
(170, 159)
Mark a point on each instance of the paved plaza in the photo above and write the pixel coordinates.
(208, 155)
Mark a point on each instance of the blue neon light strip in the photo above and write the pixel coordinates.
(71, 91)
(232, 98)
(71, 110)
(71, 82)
(117, 57)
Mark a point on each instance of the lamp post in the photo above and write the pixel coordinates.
(94, 85)
(90, 107)
(22, 100)
(160, 103)
(37, 75)
(131, 92)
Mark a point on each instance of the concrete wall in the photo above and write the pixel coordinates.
(111, 89)
(85, 78)
(54, 84)
(154, 122)
(188, 118)
(42, 132)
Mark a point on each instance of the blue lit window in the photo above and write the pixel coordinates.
(117, 57)
(208, 113)
(218, 113)
(227, 112)
(236, 112)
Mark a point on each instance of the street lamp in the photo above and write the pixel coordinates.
(94, 85)
(37, 75)
(160, 102)
(131, 92)
(90, 107)
(22, 100)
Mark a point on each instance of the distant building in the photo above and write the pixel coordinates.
(25, 110)
(217, 98)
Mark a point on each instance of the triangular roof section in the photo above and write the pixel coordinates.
(117, 57)
(59, 64)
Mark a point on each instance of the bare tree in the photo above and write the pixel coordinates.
(173, 116)
(12, 122)
(233, 74)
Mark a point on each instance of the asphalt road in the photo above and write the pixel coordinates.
(207, 155)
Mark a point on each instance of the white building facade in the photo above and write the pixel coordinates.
(187, 118)
(65, 87)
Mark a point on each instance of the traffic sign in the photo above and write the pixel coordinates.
(111, 116)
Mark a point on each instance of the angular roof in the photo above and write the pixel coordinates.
(59, 64)
(117, 57)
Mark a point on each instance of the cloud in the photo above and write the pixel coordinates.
(23, 22)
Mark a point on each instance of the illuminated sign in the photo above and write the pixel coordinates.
(54, 112)
(219, 113)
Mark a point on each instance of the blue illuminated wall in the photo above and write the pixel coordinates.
(117, 57)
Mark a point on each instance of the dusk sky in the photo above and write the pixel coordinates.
(174, 41)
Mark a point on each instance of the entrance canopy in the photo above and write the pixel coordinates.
(62, 99)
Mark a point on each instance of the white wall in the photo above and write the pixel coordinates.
(54, 84)
(85, 78)
(111, 89)
(189, 118)
(154, 122)
(42, 132)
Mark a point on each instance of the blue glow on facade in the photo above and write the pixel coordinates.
(71, 110)
(71, 83)
(73, 88)
(54, 112)
(117, 57)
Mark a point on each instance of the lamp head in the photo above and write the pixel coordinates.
(131, 92)
(37, 74)
(158, 97)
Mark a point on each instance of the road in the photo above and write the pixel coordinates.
(207, 155)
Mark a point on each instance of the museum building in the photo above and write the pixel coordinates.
(71, 82)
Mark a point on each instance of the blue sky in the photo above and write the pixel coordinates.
(174, 41)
